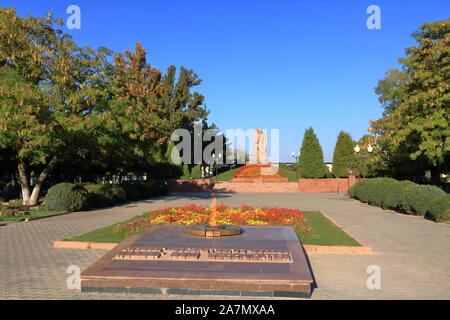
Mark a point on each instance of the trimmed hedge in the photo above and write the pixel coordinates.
(75, 197)
(67, 196)
(417, 198)
(101, 195)
(136, 190)
(389, 193)
(440, 209)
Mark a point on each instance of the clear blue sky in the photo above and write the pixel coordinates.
(272, 64)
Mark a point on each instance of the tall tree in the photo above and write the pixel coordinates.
(344, 155)
(310, 161)
(414, 131)
(50, 91)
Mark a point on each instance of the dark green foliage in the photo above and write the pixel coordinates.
(388, 193)
(196, 172)
(440, 209)
(119, 194)
(101, 195)
(136, 190)
(186, 172)
(131, 191)
(67, 196)
(164, 170)
(310, 161)
(418, 198)
(343, 156)
(393, 199)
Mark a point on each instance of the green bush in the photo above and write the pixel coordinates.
(388, 193)
(196, 172)
(393, 199)
(343, 156)
(101, 195)
(440, 209)
(165, 171)
(131, 191)
(310, 161)
(378, 190)
(159, 187)
(67, 196)
(119, 194)
(418, 198)
(152, 188)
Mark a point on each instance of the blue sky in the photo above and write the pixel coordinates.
(285, 65)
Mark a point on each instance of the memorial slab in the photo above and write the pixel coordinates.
(268, 261)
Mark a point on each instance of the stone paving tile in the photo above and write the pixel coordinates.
(412, 253)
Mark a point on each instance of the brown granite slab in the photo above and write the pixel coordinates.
(292, 276)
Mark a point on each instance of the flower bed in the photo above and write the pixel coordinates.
(244, 216)
(254, 171)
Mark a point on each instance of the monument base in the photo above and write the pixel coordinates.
(165, 259)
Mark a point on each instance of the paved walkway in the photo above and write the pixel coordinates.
(413, 254)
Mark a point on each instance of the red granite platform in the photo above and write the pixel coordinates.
(262, 261)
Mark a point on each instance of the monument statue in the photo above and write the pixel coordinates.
(260, 147)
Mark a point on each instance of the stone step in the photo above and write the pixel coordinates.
(256, 187)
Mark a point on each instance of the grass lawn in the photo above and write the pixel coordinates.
(33, 214)
(225, 176)
(324, 232)
(291, 175)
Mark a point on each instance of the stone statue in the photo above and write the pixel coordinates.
(260, 147)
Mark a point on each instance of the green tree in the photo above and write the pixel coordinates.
(50, 91)
(344, 155)
(310, 161)
(414, 132)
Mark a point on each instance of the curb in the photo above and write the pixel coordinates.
(83, 245)
(313, 249)
(6, 222)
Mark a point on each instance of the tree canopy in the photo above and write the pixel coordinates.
(61, 102)
(414, 132)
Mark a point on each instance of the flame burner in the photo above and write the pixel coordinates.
(216, 231)
(213, 229)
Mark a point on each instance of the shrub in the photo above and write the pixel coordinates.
(119, 194)
(131, 191)
(159, 187)
(393, 198)
(343, 156)
(165, 171)
(67, 196)
(196, 172)
(388, 193)
(186, 172)
(378, 189)
(101, 195)
(145, 189)
(310, 161)
(440, 209)
(418, 198)
(152, 188)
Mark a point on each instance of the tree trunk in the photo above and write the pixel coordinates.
(24, 177)
(44, 174)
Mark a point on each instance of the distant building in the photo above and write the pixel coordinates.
(329, 166)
